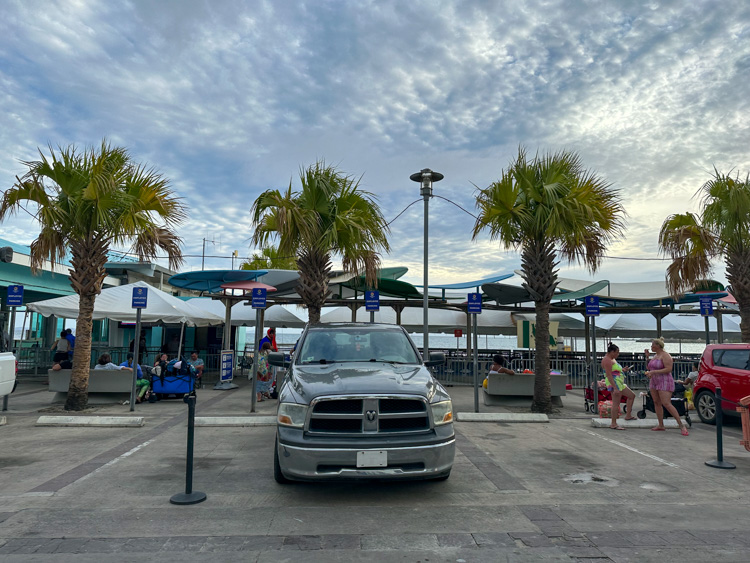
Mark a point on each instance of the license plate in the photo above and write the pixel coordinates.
(372, 459)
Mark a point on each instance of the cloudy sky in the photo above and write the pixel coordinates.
(228, 99)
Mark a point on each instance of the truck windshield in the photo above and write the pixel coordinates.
(327, 345)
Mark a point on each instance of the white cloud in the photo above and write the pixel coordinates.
(231, 99)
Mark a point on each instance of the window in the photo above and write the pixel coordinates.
(736, 359)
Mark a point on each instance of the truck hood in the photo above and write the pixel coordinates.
(369, 378)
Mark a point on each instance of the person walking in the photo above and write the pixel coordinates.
(661, 384)
(614, 374)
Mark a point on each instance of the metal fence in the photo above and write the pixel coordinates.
(460, 371)
(34, 361)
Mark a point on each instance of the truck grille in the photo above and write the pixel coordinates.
(368, 415)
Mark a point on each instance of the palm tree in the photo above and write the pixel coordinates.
(549, 207)
(269, 258)
(85, 202)
(721, 229)
(329, 216)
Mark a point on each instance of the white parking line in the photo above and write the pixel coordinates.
(113, 461)
(631, 448)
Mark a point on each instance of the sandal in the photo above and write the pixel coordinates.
(631, 418)
(618, 427)
(684, 431)
(657, 429)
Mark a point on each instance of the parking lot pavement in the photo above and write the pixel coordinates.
(561, 491)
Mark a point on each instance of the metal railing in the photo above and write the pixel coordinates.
(460, 371)
(34, 362)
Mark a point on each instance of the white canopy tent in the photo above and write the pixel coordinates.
(244, 315)
(441, 320)
(115, 303)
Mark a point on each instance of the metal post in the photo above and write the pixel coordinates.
(13, 328)
(372, 316)
(137, 341)
(476, 366)
(12, 334)
(256, 358)
(719, 326)
(593, 334)
(426, 177)
(189, 496)
(719, 462)
(708, 333)
(587, 337)
(425, 289)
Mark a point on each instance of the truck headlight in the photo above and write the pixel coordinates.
(291, 414)
(442, 412)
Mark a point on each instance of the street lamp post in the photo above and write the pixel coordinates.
(425, 178)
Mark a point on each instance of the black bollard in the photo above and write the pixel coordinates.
(719, 462)
(189, 496)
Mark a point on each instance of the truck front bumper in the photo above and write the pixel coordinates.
(403, 462)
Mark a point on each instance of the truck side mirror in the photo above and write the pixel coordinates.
(278, 359)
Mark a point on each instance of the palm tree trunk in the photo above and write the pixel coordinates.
(88, 259)
(538, 266)
(78, 392)
(314, 270)
(738, 275)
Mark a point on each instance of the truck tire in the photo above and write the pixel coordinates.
(277, 474)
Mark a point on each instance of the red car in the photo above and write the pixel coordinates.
(726, 366)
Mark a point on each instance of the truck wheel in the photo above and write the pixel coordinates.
(277, 474)
(705, 404)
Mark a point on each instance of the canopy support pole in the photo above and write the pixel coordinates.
(719, 326)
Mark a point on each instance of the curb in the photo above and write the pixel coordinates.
(101, 421)
(501, 417)
(235, 421)
(640, 423)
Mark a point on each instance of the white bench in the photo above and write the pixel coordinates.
(505, 389)
(105, 385)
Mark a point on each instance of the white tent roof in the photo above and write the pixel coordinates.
(630, 290)
(243, 315)
(115, 303)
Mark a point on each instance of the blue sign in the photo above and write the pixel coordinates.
(592, 306)
(372, 300)
(707, 306)
(140, 297)
(227, 363)
(259, 298)
(15, 296)
(475, 303)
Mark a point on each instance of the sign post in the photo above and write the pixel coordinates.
(372, 302)
(592, 310)
(474, 308)
(14, 299)
(259, 304)
(707, 309)
(140, 301)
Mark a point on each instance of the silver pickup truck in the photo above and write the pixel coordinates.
(358, 402)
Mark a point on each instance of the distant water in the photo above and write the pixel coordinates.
(287, 337)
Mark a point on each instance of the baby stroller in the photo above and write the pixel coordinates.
(679, 402)
(589, 405)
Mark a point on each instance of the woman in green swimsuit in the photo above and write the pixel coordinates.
(616, 385)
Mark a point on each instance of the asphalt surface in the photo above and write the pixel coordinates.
(561, 491)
